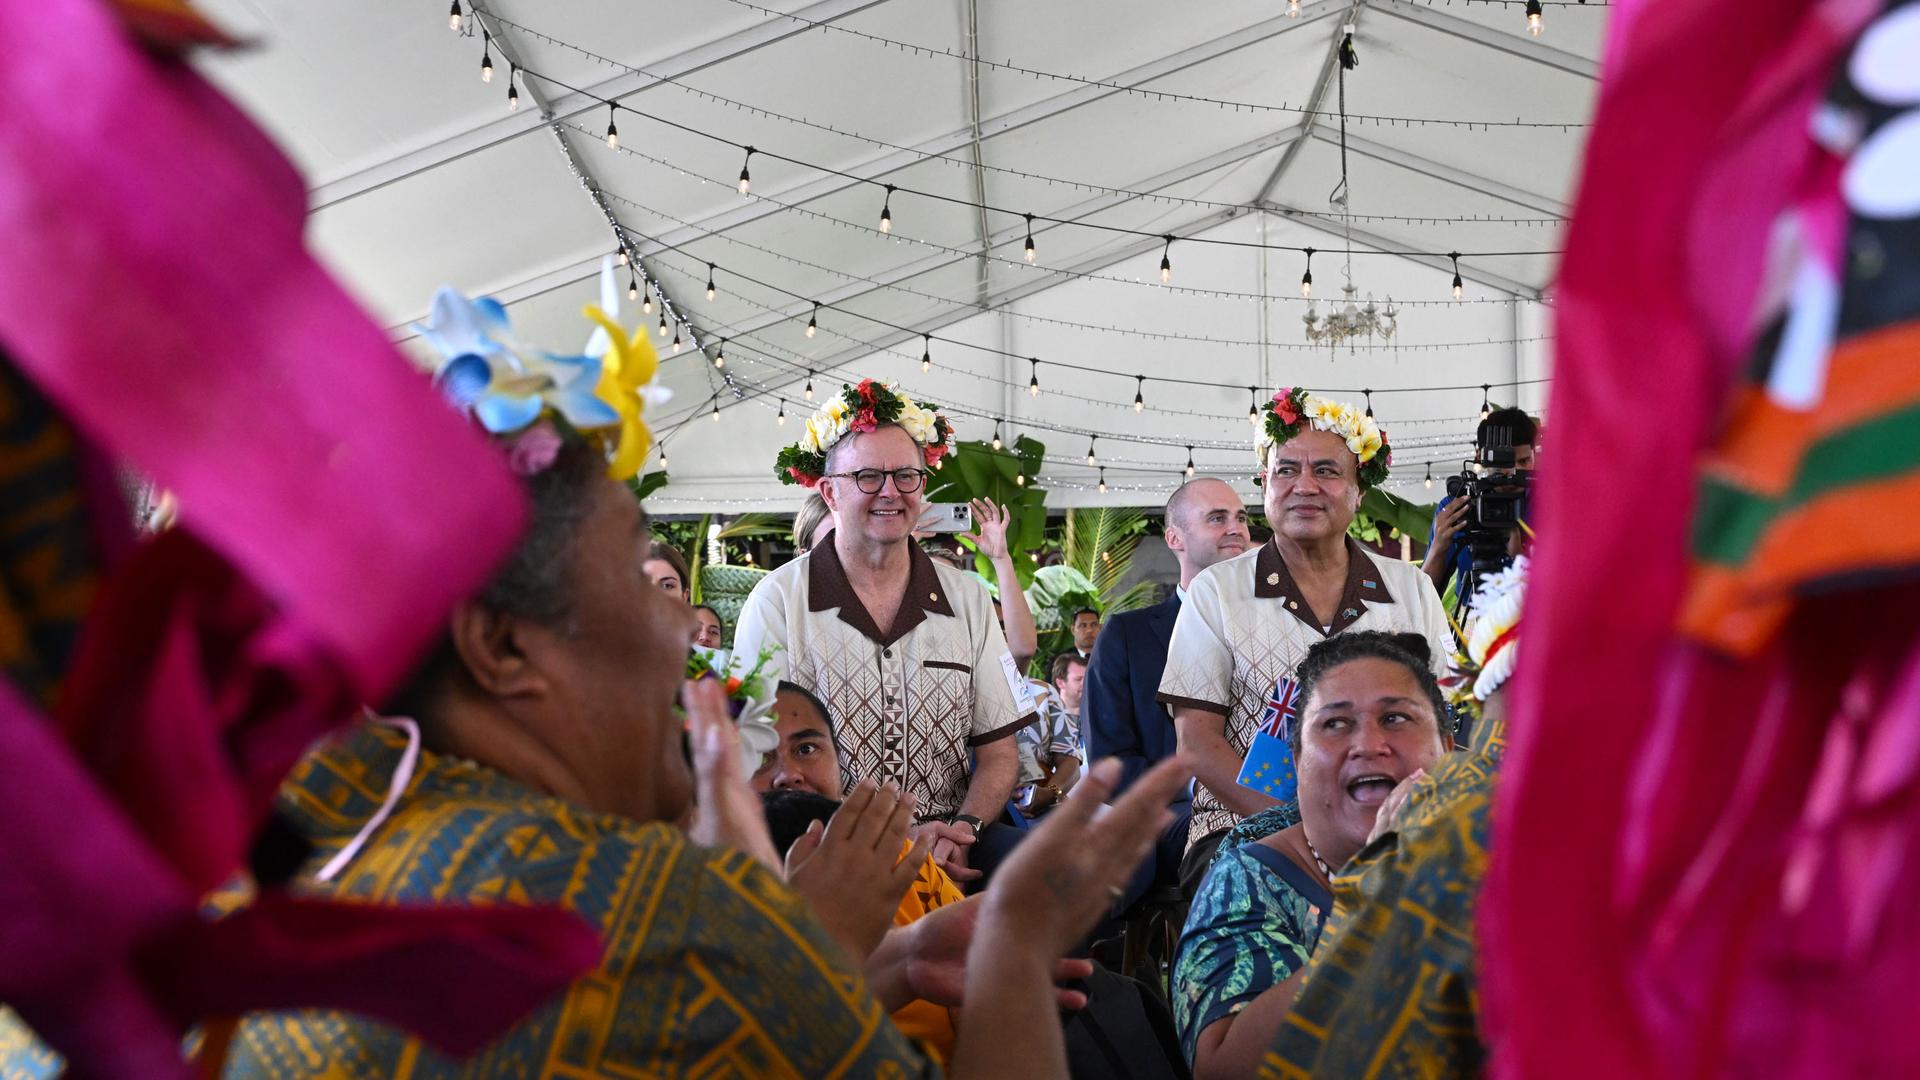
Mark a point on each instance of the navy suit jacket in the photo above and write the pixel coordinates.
(1120, 713)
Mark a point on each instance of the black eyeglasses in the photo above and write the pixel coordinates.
(870, 481)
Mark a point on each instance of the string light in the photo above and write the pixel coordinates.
(613, 133)
(513, 92)
(453, 17)
(1293, 9)
(1306, 279)
(1253, 407)
(620, 253)
(1091, 460)
(1030, 249)
(997, 444)
(663, 458)
(1429, 476)
(1533, 17)
(716, 408)
(1486, 405)
(663, 324)
(1369, 394)
(633, 288)
(746, 179)
(646, 304)
(813, 320)
(720, 354)
(781, 416)
(1140, 394)
(676, 339)
(926, 352)
(1020, 480)
(1189, 462)
(486, 56)
(1033, 384)
(1103, 481)
(1458, 285)
(711, 291)
(809, 384)
(886, 211)
(1166, 260)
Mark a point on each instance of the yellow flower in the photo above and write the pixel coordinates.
(918, 422)
(1365, 443)
(629, 365)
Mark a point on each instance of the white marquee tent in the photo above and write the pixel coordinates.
(1212, 122)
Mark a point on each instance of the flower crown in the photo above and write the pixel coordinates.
(1292, 410)
(537, 399)
(863, 408)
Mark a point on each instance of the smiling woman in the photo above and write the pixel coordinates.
(1371, 719)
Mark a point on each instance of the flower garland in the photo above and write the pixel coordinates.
(534, 399)
(750, 696)
(863, 408)
(1293, 410)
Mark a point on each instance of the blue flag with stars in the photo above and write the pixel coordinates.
(1268, 768)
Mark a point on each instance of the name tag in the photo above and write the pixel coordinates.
(1023, 702)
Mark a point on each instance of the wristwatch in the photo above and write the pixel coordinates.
(970, 822)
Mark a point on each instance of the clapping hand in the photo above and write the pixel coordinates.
(851, 871)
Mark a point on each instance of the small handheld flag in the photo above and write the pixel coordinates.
(1268, 768)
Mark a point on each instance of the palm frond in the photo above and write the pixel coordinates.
(755, 525)
(1099, 543)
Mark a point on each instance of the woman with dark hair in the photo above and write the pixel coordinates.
(667, 569)
(711, 633)
(1371, 716)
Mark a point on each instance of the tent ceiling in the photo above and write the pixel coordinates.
(421, 176)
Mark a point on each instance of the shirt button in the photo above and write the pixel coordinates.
(886, 652)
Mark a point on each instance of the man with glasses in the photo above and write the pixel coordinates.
(905, 652)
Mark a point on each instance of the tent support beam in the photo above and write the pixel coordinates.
(1457, 177)
(1480, 34)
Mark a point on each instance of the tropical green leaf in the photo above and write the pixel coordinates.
(751, 525)
(1411, 518)
(1100, 543)
(643, 486)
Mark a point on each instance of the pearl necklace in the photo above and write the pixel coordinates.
(1325, 870)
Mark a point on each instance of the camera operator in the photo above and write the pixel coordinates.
(1448, 554)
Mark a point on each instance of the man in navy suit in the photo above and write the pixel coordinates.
(1205, 523)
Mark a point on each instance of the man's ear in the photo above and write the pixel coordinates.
(493, 650)
(828, 495)
(1175, 541)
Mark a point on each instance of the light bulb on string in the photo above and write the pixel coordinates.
(1293, 9)
(453, 17)
(1486, 405)
(513, 91)
(663, 324)
(720, 354)
(716, 408)
(1091, 460)
(633, 288)
(1458, 285)
(1140, 394)
(646, 303)
(1166, 260)
(1033, 383)
(663, 459)
(1031, 254)
(813, 320)
(1189, 462)
(1103, 481)
(1306, 279)
(1429, 480)
(746, 179)
(711, 291)
(1533, 17)
(613, 133)
(926, 352)
(486, 56)
(809, 384)
(620, 255)
(886, 211)
(1019, 479)
(1253, 406)
(1369, 395)
(997, 444)
(676, 339)
(781, 416)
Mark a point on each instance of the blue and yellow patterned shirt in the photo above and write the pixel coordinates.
(712, 968)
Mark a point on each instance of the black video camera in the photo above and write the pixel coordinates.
(1496, 493)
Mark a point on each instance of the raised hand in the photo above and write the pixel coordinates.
(726, 811)
(851, 872)
(990, 529)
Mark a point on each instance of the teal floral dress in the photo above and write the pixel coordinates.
(1253, 924)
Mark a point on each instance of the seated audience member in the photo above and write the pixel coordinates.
(792, 812)
(1370, 717)
(546, 713)
(666, 568)
(1393, 989)
(708, 633)
(812, 523)
(1050, 754)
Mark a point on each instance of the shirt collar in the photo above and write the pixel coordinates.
(828, 588)
(1273, 581)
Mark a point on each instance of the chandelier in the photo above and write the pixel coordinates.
(1350, 321)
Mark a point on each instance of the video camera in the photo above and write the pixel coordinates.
(1496, 493)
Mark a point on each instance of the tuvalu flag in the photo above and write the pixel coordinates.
(1268, 768)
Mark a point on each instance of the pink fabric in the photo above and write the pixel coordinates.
(1648, 911)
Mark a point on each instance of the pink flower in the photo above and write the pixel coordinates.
(801, 478)
(1283, 406)
(934, 452)
(863, 421)
(533, 450)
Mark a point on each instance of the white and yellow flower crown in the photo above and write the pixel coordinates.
(1292, 410)
(859, 409)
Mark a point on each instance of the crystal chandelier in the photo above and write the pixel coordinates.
(1348, 321)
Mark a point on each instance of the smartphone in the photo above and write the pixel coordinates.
(954, 517)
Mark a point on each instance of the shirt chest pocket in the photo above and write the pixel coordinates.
(944, 693)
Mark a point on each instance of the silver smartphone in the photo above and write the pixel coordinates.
(945, 517)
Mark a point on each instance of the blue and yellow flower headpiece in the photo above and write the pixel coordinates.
(532, 398)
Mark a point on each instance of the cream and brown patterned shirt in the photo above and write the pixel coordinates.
(1245, 625)
(907, 703)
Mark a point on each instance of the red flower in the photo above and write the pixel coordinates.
(866, 391)
(934, 452)
(863, 421)
(801, 478)
(1283, 406)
